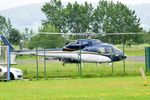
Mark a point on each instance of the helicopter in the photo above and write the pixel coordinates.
(85, 50)
(97, 47)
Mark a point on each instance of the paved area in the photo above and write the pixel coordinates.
(136, 58)
(129, 58)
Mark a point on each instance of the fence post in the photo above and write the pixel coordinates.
(8, 63)
(44, 65)
(37, 64)
(147, 59)
(80, 62)
(124, 70)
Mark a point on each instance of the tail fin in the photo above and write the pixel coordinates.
(6, 42)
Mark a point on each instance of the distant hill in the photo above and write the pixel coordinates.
(30, 16)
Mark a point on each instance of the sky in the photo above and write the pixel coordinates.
(5, 4)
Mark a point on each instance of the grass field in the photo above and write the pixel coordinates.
(110, 88)
(134, 50)
(55, 69)
(63, 82)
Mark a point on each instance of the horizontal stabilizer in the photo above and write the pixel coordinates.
(6, 42)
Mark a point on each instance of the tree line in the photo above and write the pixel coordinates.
(107, 17)
(8, 31)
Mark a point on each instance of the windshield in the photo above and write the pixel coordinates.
(82, 42)
(97, 42)
(89, 41)
(116, 49)
(105, 50)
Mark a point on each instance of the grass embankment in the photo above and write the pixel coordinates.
(134, 50)
(110, 88)
(55, 69)
(118, 88)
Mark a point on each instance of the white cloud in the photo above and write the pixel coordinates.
(5, 4)
(123, 1)
(133, 2)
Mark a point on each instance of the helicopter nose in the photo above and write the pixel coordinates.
(122, 56)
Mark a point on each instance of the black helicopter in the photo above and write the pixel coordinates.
(96, 46)
(91, 50)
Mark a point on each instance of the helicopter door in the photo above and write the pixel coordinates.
(105, 50)
(108, 51)
(101, 50)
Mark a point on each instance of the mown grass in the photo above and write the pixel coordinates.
(104, 84)
(110, 88)
(134, 50)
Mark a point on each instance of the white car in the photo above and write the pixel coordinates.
(15, 74)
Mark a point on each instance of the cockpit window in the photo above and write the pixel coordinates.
(105, 50)
(108, 50)
(89, 42)
(82, 42)
(116, 49)
(97, 42)
(101, 50)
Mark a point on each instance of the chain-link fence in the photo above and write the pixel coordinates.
(53, 67)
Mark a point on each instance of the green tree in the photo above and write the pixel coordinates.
(110, 17)
(107, 17)
(78, 17)
(72, 18)
(5, 26)
(53, 12)
(47, 40)
(14, 36)
(147, 38)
